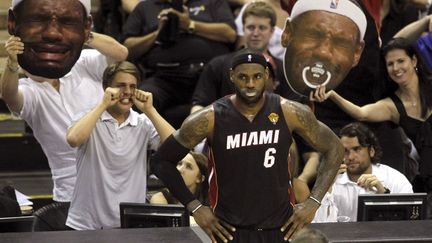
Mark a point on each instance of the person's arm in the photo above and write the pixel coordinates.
(80, 131)
(371, 182)
(137, 41)
(396, 182)
(415, 29)
(221, 32)
(158, 198)
(422, 5)
(144, 102)
(302, 121)
(194, 129)
(196, 108)
(301, 183)
(310, 169)
(9, 79)
(140, 45)
(215, 31)
(376, 112)
(129, 5)
(108, 46)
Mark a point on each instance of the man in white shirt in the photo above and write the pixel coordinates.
(63, 81)
(112, 142)
(361, 173)
(60, 86)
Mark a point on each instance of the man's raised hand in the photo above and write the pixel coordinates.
(143, 100)
(320, 94)
(14, 47)
(111, 96)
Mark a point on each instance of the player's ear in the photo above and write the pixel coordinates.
(231, 75)
(88, 27)
(358, 50)
(287, 33)
(200, 178)
(371, 152)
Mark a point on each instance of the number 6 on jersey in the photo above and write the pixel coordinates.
(269, 159)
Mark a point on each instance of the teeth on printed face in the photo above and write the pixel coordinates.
(317, 70)
(316, 75)
(251, 93)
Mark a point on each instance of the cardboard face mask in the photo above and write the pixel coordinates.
(53, 33)
(322, 44)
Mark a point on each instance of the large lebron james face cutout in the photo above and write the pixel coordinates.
(53, 32)
(321, 48)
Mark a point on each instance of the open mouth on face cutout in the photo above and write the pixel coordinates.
(316, 75)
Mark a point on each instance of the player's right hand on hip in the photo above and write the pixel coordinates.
(212, 226)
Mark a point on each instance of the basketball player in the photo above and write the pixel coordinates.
(249, 135)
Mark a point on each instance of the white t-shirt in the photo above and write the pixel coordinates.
(111, 168)
(49, 113)
(328, 210)
(345, 192)
(275, 46)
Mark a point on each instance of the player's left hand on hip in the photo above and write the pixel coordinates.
(302, 216)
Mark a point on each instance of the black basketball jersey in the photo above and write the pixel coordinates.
(249, 170)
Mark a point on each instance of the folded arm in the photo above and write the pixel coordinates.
(221, 32)
(108, 46)
(140, 45)
(215, 31)
(415, 29)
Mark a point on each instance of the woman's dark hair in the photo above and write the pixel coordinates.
(203, 187)
(424, 75)
(365, 137)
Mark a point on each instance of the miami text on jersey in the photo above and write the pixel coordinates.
(252, 138)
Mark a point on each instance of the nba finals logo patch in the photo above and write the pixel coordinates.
(273, 117)
(334, 4)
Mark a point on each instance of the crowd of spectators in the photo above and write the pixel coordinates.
(183, 51)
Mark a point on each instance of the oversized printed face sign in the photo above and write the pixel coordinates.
(53, 33)
(321, 48)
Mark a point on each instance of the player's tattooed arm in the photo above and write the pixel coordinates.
(321, 138)
(302, 121)
(198, 126)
